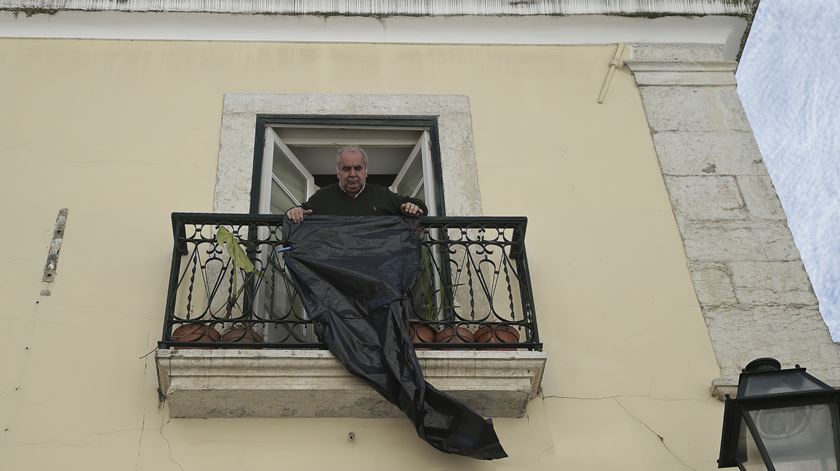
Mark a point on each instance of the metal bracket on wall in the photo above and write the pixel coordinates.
(614, 63)
(55, 246)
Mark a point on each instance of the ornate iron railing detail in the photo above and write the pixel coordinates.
(473, 292)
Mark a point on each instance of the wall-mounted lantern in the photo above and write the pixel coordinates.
(780, 420)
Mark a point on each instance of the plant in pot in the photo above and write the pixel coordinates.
(421, 332)
(241, 332)
(196, 332)
(497, 332)
(422, 300)
(204, 332)
(455, 334)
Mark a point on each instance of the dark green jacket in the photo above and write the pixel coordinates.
(373, 200)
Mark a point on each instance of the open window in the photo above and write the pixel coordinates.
(298, 159)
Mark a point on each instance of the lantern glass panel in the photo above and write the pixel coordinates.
(749, 458)
(797, 438)
(779, 382)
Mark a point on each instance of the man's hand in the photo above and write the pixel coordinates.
(411, 209)
(297, 214)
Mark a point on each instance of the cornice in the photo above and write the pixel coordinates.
(671, 73)
(651, 8)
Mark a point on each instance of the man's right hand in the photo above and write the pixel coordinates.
(297, 214)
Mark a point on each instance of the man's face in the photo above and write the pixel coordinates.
(352, 171)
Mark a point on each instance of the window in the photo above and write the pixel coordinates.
(446, 117)
(296, 157)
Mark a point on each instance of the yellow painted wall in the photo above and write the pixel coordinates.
(125, 132)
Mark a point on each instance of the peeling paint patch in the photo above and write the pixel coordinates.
(51, 267)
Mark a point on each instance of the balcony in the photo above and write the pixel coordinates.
(240, 344)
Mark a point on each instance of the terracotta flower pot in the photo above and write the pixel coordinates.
(421, 332)
(196, 332)
(455, 335)
(497, 333)
(242, 334)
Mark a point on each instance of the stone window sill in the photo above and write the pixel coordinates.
(312, 383)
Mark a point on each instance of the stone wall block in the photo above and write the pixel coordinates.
(713, 283)
(777, 241)
(694, 109)
(772, 283)
(791, 334)
(715, 241)
(707, 197)
(705, 153)
(760, 197)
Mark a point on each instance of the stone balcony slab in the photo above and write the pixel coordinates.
(312, 383)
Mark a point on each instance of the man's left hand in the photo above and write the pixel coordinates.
(411, 209)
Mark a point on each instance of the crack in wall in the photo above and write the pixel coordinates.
(169, 445)
(140, 441)
(31, 321)
(660, 437)
(49, 442)
(142, 422)
(617, 400)
(123, 430)
(620, 396)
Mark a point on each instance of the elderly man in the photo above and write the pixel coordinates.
(352, 196)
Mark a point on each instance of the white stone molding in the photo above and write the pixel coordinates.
(400, 7)
(751, 285)
(707, 73)
(236, 152)
(522, 29)
(312, 383)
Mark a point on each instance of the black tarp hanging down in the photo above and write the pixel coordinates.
(351, 273)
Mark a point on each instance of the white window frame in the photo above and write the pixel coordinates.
(422, 150)
(267, 174)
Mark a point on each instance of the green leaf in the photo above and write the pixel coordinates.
(237, 256)
(234, 250)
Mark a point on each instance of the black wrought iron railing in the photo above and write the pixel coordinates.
(473, 291)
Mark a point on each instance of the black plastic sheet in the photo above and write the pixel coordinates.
(352, 274)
